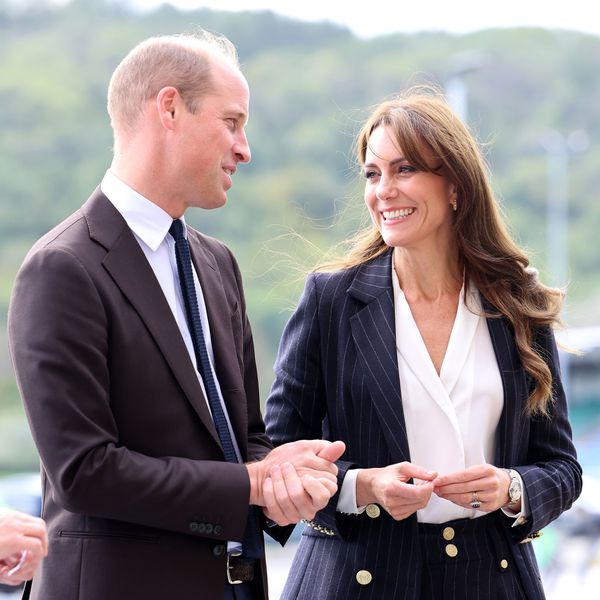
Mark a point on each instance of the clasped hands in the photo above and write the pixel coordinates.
(390, 488)
(296, 480)
(23, 544)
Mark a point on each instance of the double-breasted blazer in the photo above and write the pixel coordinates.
(138, 498)
(336, 376)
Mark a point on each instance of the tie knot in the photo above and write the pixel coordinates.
(176, 230)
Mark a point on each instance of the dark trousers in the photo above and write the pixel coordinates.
(468, 559)
(243, 591)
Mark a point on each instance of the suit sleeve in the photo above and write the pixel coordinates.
(552, 475)
(59, 335)
(297, 405)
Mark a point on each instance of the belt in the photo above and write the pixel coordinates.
(239, 569)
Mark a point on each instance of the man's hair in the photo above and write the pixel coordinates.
(181, 61)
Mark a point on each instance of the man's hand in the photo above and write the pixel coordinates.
(389, 487)
(295, 480)
(23, 544)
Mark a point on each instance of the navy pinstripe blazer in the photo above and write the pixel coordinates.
(337, 378)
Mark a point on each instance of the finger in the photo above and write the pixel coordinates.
(290, 493)
(470, 474)
(281, 495)
(316, 474)
(272, 509)
(333, 451)
(305, 506)
(318, 491)
(415, 471)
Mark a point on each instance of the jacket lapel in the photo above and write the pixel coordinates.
(221, 333)
(511, 372)
(373, 333)
(126, 264)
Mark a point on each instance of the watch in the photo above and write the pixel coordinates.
(514, 488)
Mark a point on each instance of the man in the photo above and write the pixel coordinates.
(137, 370)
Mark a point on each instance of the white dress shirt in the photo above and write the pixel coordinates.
(451, 418)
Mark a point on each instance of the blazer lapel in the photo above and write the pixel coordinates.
(373, 333)
(221, 333)
(511, 419)
(128, 267)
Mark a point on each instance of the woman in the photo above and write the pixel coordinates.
(429, 351)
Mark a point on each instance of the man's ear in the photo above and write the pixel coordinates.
(168, 104)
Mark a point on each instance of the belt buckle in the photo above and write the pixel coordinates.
(229, 567)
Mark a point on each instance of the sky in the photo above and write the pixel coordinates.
(368, 18)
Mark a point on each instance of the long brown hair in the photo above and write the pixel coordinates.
(422, 120)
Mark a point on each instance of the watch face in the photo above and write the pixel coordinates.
(514, 491)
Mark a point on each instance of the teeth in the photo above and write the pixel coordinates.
(228, 171)
(397, 214)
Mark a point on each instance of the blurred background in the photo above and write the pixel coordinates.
(527, 85)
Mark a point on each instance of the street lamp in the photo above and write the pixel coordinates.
(455, 88)
(558, 149)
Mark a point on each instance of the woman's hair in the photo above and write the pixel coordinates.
(421, 122)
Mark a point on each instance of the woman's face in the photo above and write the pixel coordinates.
(411, 208)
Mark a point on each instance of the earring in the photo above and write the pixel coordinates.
(453, 204)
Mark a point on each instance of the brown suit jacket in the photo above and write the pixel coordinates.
(138, 499)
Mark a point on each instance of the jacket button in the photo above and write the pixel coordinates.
(504, 564)
(364, 577)
(373, 511)
(201, 528)
(193, 527)
(218, 550)
(218, 530)
(208, 528)
(451, 550)
(448, 533)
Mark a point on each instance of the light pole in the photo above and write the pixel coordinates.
(559, 148)
(455, 88)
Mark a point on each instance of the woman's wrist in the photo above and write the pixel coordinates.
(364, 487)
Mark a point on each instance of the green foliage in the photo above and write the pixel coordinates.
(311, 85)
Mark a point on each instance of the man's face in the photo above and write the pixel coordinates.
(210, 143)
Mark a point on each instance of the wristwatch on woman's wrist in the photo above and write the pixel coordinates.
(514, 488)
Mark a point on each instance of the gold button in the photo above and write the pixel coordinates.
(448, 533)
(504, 564)
(364, 577)
(373, 511)
(451, 550)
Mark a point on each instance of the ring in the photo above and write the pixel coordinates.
(475, 502)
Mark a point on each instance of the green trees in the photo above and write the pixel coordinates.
(310, 87)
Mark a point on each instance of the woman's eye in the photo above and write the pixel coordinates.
(406, 169)
(370, 174)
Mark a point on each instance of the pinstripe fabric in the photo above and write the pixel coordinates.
(336, 377)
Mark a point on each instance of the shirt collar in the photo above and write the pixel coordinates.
(148, 221)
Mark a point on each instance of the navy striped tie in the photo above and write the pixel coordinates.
(252, 543)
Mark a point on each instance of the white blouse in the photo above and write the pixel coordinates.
(451, 418)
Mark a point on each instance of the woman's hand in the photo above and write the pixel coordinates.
(389, 487)
(486, 484)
